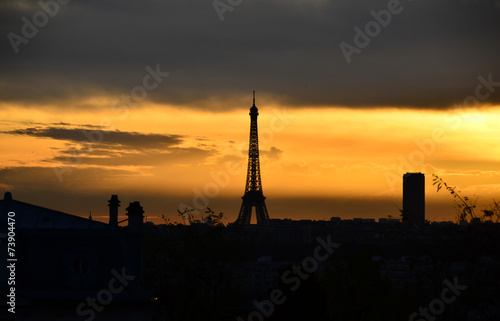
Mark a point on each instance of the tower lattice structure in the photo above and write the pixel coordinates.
(253, 197)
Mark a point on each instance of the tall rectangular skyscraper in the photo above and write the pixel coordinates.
(414, 198)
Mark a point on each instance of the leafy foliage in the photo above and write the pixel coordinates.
(190, 217)
(466, 206)
(493, 212)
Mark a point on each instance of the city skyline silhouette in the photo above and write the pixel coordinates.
(143, 181)
(355, 95)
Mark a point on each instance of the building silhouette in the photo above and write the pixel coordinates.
(253, 197)
(414, 198)
(64, 259)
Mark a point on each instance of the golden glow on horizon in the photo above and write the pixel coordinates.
(304, 152)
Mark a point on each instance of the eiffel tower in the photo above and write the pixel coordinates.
(253, 196)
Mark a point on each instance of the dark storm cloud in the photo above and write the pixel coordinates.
(103, 149)
(116, 139)
(429, 55)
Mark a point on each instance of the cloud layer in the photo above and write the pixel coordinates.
(90, 153)
(429, 55)
(116, 139)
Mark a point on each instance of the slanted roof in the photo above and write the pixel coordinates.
(29, 216)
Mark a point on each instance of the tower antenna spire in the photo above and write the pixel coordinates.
(254, 97)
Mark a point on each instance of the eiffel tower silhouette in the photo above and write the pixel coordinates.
(253, 196)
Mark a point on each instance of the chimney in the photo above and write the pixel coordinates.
(113, 204)
(135, 217)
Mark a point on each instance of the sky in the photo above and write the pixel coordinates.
(149, 100)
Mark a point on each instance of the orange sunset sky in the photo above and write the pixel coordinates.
(316, 163)
(336, 134)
